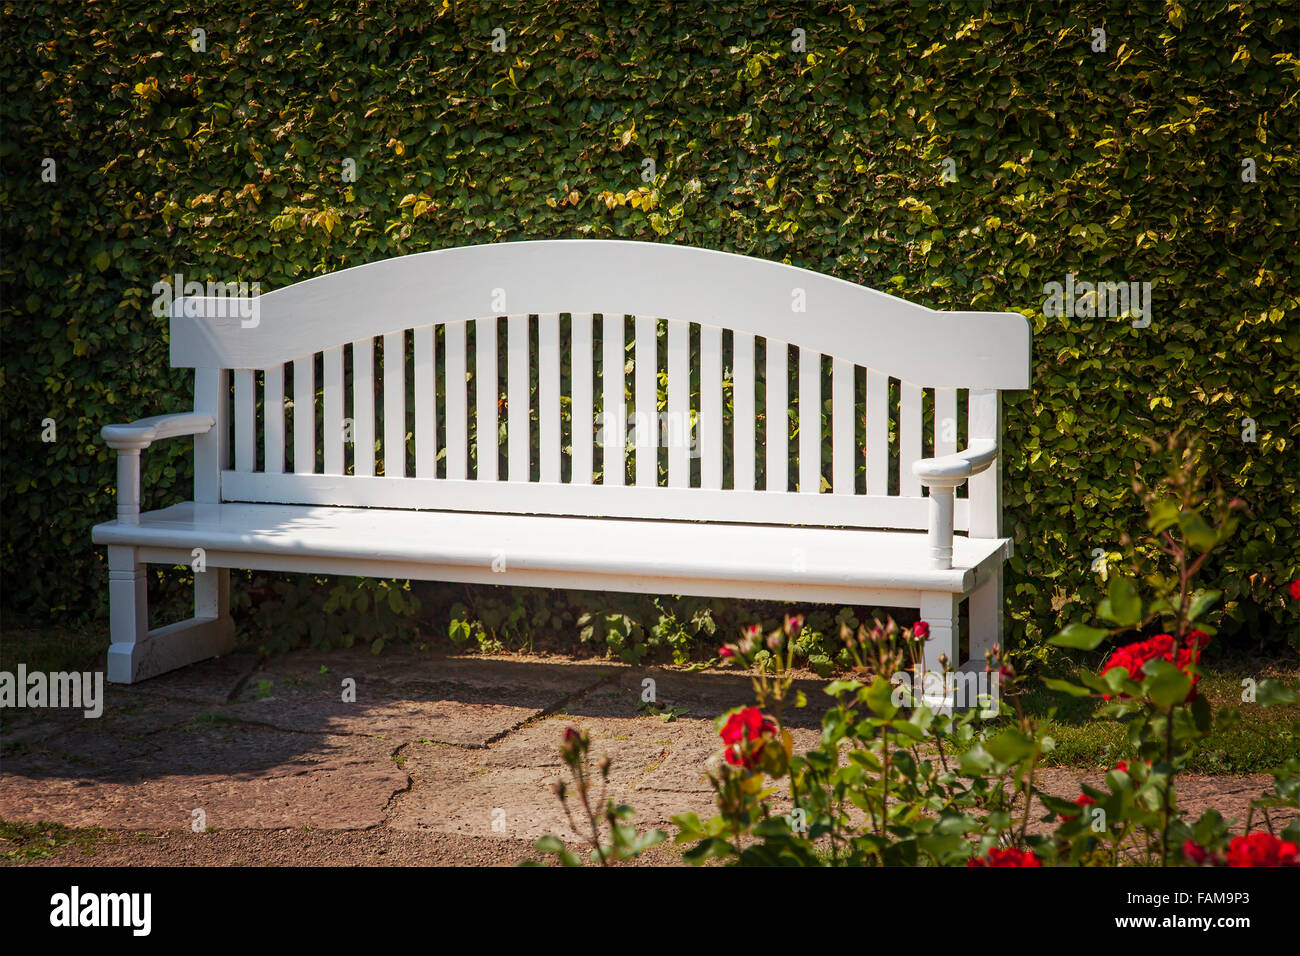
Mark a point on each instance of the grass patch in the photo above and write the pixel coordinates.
(26, 842)
(1255, 740)
(54, 649)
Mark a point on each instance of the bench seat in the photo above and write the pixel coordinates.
(856, 566)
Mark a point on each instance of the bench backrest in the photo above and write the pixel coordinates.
(421, 381)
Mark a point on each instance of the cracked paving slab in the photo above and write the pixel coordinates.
(698, 694)
(239, 776)
(659, 767)
(287, 752)
(124, 731)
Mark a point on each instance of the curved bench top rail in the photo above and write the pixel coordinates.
(611, 277)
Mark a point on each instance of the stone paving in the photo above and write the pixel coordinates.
(456, 745)
(455, 756)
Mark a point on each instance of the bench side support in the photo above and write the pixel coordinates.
(940, 610)
(137, 653)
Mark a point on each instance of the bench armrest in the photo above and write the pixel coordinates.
(952, 470)
(141, 434)
(129, 440)
(942, 476)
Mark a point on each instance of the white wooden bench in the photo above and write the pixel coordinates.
(568, 511)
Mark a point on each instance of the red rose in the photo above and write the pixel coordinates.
(1295, 589)
(745, 734)
(921, 629)
(1262, 849)
(726, 652)
(1083, 800)
(574, 746)
(1195, 852)
(1008, 857)
(1122, 765)
(1134, 657)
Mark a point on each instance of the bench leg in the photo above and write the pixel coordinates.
(939, 609)
(986, 616)
(138, 653)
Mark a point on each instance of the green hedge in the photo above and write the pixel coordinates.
(1122, 164)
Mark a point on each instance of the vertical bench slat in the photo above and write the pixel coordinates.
(909, 438)
(394, 404)
(426, 407)
(710, 428)
(843, 427)
(777, 415)
(273, 420)
(810, 421)
(517, 385)
(679, 405)
(877, 433)
(647, 397)
(457, 400)
(580, 407)
(363, 407)
(945, 418)
(613, 384)
(304, 415)
(333, 410)
(548, 396)
(742, 399)
(212, 450)
(486, 394)
(984, 418)
(245, 421)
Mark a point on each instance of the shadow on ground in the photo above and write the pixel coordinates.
(346, 740)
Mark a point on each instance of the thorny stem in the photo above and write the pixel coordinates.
(884, 780)
(580, 772)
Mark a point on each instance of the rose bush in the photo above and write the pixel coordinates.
(896, 781)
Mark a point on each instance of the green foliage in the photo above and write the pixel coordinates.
(327, 613)
(1114, 165)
